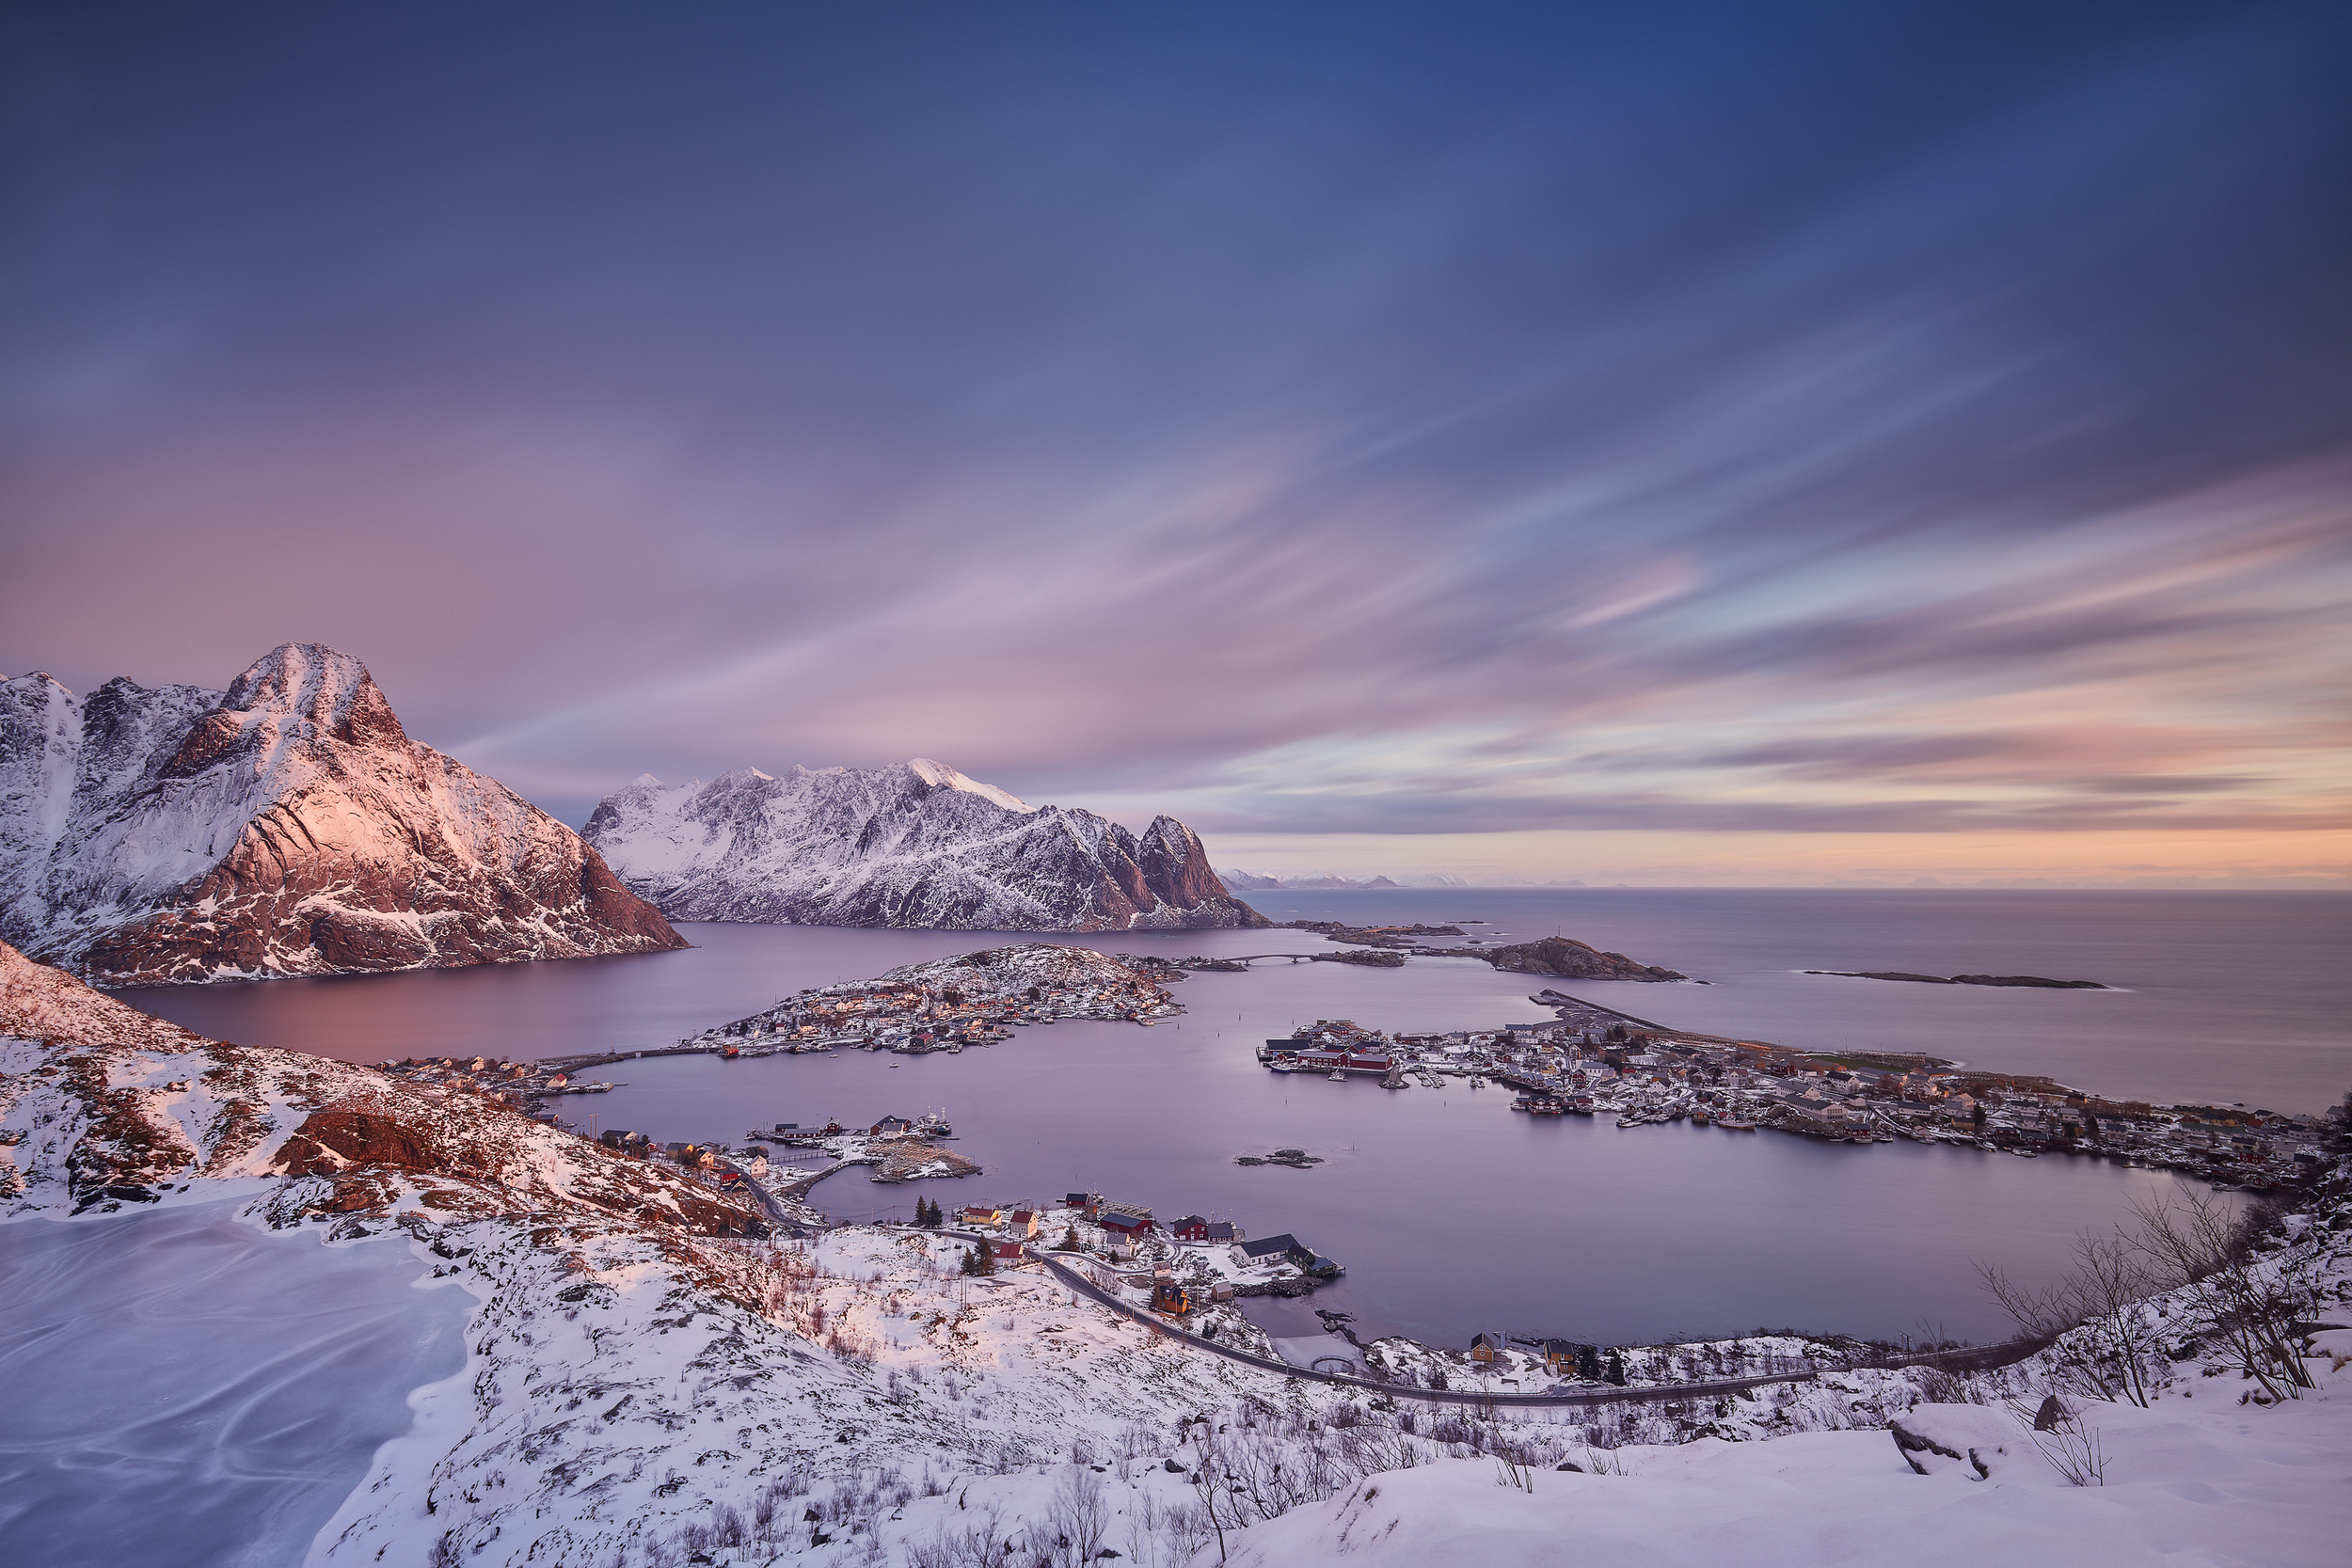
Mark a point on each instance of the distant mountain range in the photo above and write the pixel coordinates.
(1255, 882)
(287, 825)
(915, 844)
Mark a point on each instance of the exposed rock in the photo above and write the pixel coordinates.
(101, 1100)
(288, 826)
(914, 845)
(1975, 1439)
(915, 1160)
(1574, 961)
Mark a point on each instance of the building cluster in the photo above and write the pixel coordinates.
(1177, 1266)
(723, 1168)
(1588, 1066)
(956, 1003)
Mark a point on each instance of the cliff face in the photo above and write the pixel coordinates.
(285, 827)
(913, 845)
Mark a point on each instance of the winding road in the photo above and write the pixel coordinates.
(1974, 1358)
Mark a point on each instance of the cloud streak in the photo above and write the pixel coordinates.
(1526, 422)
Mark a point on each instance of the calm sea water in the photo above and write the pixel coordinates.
(1453, 1213)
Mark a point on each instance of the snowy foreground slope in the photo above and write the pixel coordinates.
(287, 825)
(913, 844)
(650, 1381)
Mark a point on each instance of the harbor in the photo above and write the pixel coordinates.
(1598, 1062)
(1149, 1098)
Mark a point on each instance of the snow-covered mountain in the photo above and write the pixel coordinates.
(287, 825)
(913, 844)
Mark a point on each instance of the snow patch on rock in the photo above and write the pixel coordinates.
(288, 826)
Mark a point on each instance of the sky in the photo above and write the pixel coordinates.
(1644, 443)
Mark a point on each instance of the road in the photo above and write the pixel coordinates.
(1086, 1288)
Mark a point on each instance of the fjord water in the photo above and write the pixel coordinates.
(1451, 1213)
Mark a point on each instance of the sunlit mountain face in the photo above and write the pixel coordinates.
(1655, 445)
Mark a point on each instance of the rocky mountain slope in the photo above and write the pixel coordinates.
(913, 844)
(287, 825)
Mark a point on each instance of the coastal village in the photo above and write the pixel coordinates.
(1190, 1273)
(1595, 1062)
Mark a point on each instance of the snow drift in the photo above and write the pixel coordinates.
(913, 844)
(287, 825)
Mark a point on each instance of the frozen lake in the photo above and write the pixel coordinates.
(188, 1391)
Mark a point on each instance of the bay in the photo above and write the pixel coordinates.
(1453, 1213)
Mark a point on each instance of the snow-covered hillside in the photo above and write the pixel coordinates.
(913, 844)
(2197, 1479)
(650, 1383)
(285, 827)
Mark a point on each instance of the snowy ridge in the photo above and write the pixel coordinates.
(913, 845)
(287, 825)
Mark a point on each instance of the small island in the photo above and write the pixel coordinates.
(2031, 980)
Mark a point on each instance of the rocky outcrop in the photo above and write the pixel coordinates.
(1974, 1440)
(102, 1105)
(914, 845)
(288, 826)
(1574, 961)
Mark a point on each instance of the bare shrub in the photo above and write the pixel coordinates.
(2108, 1340)
(2234, 1296)
(2072, 1447)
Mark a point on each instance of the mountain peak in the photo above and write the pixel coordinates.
(287, 825)
(940, 776)
(313, 682)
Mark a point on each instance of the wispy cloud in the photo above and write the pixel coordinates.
(1472, 424)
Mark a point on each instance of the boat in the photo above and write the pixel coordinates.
(728, 1052)
(1736, 1124)
(1338, 1076)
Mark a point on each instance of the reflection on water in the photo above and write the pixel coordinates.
(1453, 1213)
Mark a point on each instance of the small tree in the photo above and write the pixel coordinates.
(1069, 1239)
(2245, 1301)
(977, 1261)
(2104, 1295)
